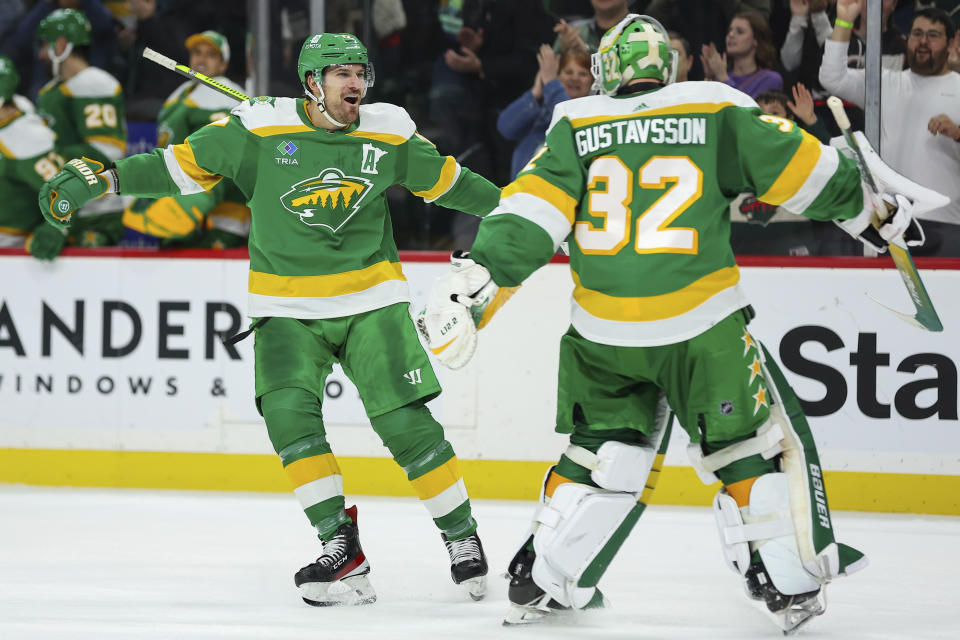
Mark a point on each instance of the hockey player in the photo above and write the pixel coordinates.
(27, 159)
(84, 107)
(218, 218)
(640, 179)
(325, 286)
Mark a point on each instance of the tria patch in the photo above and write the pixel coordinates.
(328, 200)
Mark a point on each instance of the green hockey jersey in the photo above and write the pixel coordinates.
(191, 106)
(642, 184)
(87, 114)
(321, 239)
(27, 160)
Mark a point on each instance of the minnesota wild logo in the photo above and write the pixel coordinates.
(327, 200)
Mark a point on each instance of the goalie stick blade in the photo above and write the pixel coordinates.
(926, 316)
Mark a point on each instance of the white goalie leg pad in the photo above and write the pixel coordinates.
(573, 529)
(766, 526)
(616, 466)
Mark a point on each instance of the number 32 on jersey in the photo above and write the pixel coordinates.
(611, 183)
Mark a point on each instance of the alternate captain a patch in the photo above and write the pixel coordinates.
(328, 200)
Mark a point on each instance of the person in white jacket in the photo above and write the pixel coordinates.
(920, 112)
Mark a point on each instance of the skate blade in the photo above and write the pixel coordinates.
(476, 587)
(348, 592)
(521, 615)
(793, 618)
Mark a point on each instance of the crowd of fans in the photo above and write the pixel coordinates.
(480, 77)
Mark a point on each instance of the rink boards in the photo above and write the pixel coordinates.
(112, 374)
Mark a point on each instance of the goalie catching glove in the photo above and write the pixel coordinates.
(461, 302)
(890, 215)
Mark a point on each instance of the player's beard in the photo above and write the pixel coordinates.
(343, 111)
(932, 65)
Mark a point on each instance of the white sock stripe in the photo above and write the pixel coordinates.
(447, 500)
(319, 490)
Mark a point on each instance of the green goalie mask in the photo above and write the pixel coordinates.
(9, 79)
(637, 47)
(324, 50)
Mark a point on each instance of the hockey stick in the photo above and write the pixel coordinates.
(187, 72)
(926, 316)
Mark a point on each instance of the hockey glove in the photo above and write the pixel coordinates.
(46, 242)
(461, 302)
(888, 217)
(76, 184)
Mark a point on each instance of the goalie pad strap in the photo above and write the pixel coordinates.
(760, 530)
(767, 443)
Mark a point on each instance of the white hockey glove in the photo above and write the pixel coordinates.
(461, 302)
(887, 218)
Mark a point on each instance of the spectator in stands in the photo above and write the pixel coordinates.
(218, 218)
(800, 110)
(84, 106)
(684, 55)
(585, 35)
(526, 119)
(749, 59)
(493, 64)
(919, 114)
(28, 159)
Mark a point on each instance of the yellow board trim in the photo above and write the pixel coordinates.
(312, 468)
(188, 163)
(651, 308)
(436, 481)
(329, 286)
(447, 174)
(386, 138)
(10, 231)
(537, 186)
(485, 479)
(280, 129)
(685, 109)
(795, 174)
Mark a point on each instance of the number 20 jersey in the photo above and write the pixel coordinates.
(641, 184)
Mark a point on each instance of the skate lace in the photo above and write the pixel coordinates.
(333, 550)
(463, 550)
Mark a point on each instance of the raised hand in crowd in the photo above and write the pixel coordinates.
(714, 63)
(549, 66)
(470, 38)
(799, 7)
(942, 125)
(848, 10)
(467, 62)
(569, 37)
(953, 52)
(802, 104)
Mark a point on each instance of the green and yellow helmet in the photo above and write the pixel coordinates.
(69, 23)
(9, 79)
(324, 50)
(637, 47)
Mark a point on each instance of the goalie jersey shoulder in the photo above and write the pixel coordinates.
(683, 97)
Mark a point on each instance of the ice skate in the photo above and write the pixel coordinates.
(528, 602)
(339, 576)
(468, 564)
(790, 612)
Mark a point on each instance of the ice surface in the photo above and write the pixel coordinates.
(78, 564)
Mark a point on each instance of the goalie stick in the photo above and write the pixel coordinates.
(926, 316)
(187, 72)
